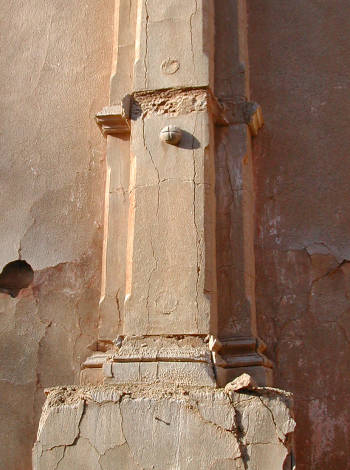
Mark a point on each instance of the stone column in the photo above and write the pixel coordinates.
(159, 316)
(240, 350)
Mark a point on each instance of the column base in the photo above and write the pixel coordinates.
(182, 360)
(235, 356)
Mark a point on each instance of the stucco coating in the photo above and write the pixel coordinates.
(54, 72)
(299, 67)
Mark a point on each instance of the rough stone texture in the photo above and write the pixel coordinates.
(54, 72)
(244, 381)
(300, 69)
(138, 427)
(170, 102)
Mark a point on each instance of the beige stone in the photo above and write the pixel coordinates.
(102, 426)
(174, 44)
(167, 251)
(168, 428)
(242, 382)
(171, 290)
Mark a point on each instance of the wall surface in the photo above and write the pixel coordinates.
(299, 71)
(54, 74)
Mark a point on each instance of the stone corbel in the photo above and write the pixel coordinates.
(230, 112)
(253, 117)
(115, 120)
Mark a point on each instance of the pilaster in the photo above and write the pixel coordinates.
(159, 316)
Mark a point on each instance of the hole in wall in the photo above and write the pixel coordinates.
(15, 276)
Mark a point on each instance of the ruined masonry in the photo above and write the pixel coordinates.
(151, 395)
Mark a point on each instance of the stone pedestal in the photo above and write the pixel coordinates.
(167, 428)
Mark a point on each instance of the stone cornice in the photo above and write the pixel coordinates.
(115, 120)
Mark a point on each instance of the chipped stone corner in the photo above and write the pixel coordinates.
(164, 427)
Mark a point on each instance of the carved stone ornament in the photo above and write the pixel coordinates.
(114, 120)
(170, 135)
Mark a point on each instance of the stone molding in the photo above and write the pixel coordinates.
(115, 119)
(242, 112)
(186, 360)
(233, 356)
(149, 359)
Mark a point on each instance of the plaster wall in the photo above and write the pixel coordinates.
(54, 72)
(54, 76)
(299, 72)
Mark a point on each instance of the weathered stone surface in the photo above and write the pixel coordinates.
(171, 102)
(66, 428)
(171, 290)
(184, 360)
(174, 44)
(242, 382)
(183, 373)
(101, 425)
(166, 429)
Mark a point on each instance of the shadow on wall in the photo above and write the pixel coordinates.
(15, 276)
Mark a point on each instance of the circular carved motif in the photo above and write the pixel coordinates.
(170, 66)
(166, 303)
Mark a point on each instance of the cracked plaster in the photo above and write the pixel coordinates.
(54, 74)
(303, 215)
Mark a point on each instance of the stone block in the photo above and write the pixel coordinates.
(92, 376)
(172, 204)
(164, 428)
(263, 376)
(183, 373)
(174, 44)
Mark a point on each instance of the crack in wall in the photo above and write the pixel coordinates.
(146, 43)
(153, 163)
(240, 433)
(238, 450)
(191, 34)
(195, 222)
(63, 455)
(273, 420)
(126, 441)
(149, 281)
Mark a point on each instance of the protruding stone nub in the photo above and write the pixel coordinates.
(170, 135)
